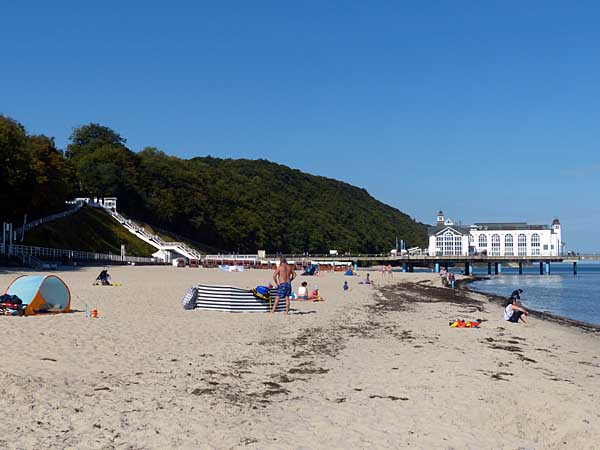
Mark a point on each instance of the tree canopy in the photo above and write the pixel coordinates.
(235, 205)
(35, 177)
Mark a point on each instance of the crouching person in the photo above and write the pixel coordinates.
(513, 312)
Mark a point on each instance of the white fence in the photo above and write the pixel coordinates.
(44, 253)
(248, 258)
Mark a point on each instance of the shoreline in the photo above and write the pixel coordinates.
(464, 283)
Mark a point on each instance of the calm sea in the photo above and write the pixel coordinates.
(561, 292)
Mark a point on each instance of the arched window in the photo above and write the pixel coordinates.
(448, 243)
(535, 244)
(522, 245)
(482, 242)
(458, 245)
(439, 245)
(495, 245)
(508, 245)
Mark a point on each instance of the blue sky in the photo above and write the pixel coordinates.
(488, 110)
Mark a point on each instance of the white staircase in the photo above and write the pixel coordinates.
(165, 249)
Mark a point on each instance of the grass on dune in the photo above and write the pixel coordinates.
(91, 230)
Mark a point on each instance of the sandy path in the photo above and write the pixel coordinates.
(361, 370)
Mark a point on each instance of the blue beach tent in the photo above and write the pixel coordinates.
(41, 294)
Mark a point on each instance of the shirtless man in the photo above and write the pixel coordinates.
(283, 277)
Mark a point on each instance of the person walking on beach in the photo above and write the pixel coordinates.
(388, 270)
(283, 277)
(514, 312)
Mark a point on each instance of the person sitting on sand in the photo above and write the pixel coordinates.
(513, 312)
(103, 278)
(303, 291)
(368, 280)
(304, 294)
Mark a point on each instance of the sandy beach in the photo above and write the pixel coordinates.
(370, 368)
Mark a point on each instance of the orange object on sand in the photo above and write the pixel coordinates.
(465, 324)
(95, 314)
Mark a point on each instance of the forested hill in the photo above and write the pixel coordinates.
(235, 205)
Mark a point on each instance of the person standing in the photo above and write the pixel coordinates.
(283, 277)
(451, 279)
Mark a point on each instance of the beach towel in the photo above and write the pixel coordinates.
(226, 268)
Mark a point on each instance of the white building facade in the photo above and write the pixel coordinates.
(495, 239)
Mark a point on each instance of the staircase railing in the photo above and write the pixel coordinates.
(152, 239)
(52, 217)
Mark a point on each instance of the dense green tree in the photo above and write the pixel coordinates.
(54, 176)
(15, 169)
(35, 178)
(87, 138)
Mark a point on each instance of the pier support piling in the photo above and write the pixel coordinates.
(541, 268)
(547, 268)
(468, 270)
(574, 267)
(404, 267)
(436, 267)
(497, 268)
(489, 268)
(520, 268)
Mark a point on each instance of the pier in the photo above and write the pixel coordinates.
(409, 262)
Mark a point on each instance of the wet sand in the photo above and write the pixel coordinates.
(368, 368)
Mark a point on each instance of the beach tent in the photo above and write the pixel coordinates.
(41, 293)
(228, 298)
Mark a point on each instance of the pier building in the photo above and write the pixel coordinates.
(494, 239)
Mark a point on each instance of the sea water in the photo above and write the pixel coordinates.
(561, 292)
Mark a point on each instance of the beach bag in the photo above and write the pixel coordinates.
(10, 299)
(262, 293)
(189, 299)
